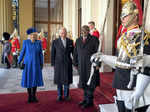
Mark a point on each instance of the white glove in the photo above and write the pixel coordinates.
(14, 53)
(96, 55)
(43, 51)
(141, 84)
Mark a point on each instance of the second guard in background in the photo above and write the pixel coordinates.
(93, 30)
(6, 49)
(15, 48)
(43, 40)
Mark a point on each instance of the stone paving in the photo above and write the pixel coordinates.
(10, 79)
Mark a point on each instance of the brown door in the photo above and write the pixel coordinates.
(49, 17)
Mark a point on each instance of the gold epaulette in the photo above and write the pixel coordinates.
(146, 37)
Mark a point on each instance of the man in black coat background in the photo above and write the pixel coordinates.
(85, 47)
(61, 51)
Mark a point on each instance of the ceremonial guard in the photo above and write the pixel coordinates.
(43, 40)
(6, 49)
(15, 48)
(93, 30)
(127, 63)
(128, 47)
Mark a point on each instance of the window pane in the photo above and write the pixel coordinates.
(56, 10)
(44, 27)
(41, 10)
(54, 31)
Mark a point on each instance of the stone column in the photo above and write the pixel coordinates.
(70, 14)
(86, 11)
(67, 14)
(26, 17)
(6, 23)
(75, 19)
(147, 23)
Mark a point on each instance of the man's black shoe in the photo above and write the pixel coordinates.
(59, 98)
(67, 98)
(82, 102)
(86, 105)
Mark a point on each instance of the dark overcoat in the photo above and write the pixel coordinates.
(62, 61)
(82, 54)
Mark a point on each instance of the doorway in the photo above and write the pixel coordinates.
(48, 16)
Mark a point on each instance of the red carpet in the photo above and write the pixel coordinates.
(47, 100)
(47, 103)
(105, 90)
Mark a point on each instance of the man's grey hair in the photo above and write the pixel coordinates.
(62, 28)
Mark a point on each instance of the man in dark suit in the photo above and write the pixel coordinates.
(85, 46)
(61, 51)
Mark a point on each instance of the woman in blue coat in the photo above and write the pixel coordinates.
(32, 57)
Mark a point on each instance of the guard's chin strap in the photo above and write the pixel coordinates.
(130, 20)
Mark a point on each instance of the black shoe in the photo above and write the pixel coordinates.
(35, 100)
(59, 98)
(14, 66)
(67, 98)
(30, 99)
(86, 105)
(8, 67)
(82, 103)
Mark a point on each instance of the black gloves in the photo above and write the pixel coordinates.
(41, 65)
(21, 65)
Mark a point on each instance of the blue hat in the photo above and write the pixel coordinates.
(31, 30)
(6, 35)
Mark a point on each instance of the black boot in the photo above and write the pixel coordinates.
(34, 94)
(82, 103)
(29, 95)
(89, 103)
(142, 109)
(15, 61)
(127, 110)
(121, 106)
(89, 98)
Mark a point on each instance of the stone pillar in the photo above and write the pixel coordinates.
(26, 17)
(86, 11)
(6, 23)
(70, 14)
(75, 19)
(147, 23)
(67, 14)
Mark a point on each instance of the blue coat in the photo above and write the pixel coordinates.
(33, 60)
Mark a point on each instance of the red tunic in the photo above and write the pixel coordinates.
(95, 33)
(15, 45)
(44, 43)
